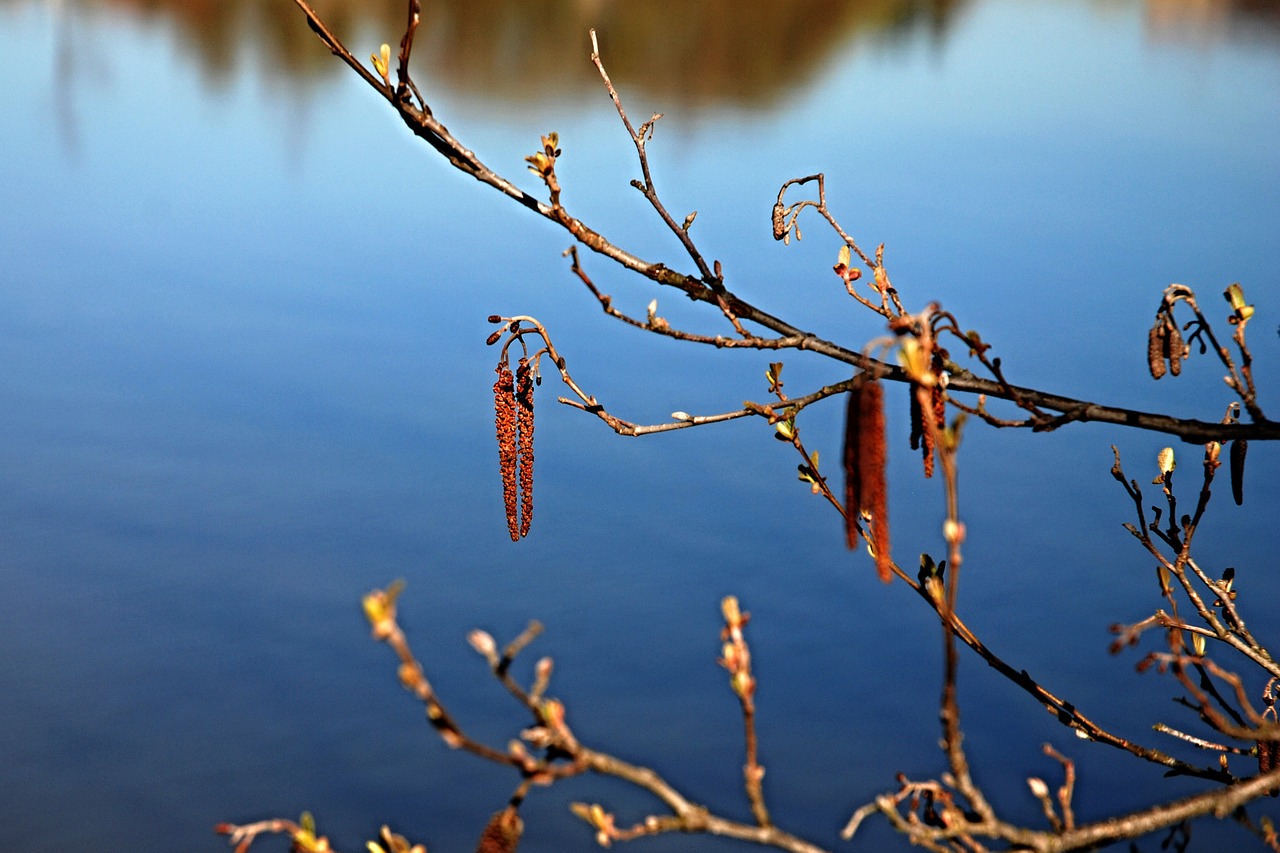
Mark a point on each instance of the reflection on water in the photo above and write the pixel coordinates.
(243, 380)
(746, 52)
(1201, 19)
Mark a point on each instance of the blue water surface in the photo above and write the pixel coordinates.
(243, 381)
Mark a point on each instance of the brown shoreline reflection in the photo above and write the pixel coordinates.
(743, 52)
(746, 53)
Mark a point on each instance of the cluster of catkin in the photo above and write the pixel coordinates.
(1165, 346)
(864, 472)
(513, 415)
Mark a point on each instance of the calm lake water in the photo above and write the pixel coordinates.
(243, 380)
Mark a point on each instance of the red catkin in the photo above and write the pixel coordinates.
(872, 461)
(524, 420)
(504, 407)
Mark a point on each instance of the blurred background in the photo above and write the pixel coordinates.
(243, 381)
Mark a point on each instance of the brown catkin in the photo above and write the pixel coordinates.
(917, 417)
(502, 832)
(1239, 447)
(524, 412)
(1269, 759)
(504, 407)
(1177, 349)
(873, 493)
(921, 434)
(939, 399)
(1155, 349)
(779, 225)
(852, 466)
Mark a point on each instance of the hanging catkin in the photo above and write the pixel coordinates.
(871, 451)
(864, 466)
(1157, 340)
(524, 421)
(1239, 447)
(504, 406)
(852, 466)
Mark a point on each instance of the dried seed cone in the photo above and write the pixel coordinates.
(502, 832)
(873, 458)
(504, 406)
(1239, 448)
(1155, 349)
(779, 226)
(524, 418)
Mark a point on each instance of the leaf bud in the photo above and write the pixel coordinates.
(483, 643)
(732, 612)
(1235, 295)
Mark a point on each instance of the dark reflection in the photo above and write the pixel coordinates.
(749, 53)
(745, 52)
(1209, 19)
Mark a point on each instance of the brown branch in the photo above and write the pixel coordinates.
(707, 287)
(736, 657)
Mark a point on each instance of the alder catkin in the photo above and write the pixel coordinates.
(524, 418)
(1155, 349)
(852, 466)
(921, 434)
(504, 407)
(917, 416)
(1239, 447)
(1177, 349)
(939, 399)
(1269, 759)
(872, 459)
